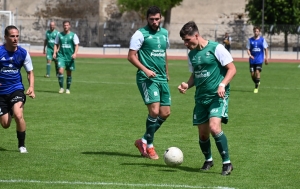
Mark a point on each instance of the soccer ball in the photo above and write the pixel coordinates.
(173, 156)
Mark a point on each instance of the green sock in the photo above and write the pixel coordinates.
(61, 80)
(150, 129)
(69, 81)
(159, 122)
(221, 142)
(48, 68)
(205, 148)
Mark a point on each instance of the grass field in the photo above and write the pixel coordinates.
(85, 139)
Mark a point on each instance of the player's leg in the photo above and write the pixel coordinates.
(257, 70)
(165, 103)
(150, 94)
(49, 57)
(61, 66)
(70, 66)
(5, 117)
(18, 100)
(218, 114)
(200, 119)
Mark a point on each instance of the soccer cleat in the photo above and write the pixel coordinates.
(61, 90)
(151, 153)
(68, 91)
(207, 165)
(23, 150)
(227, 168)
(141, 147)
(255, 90)
(47, 76)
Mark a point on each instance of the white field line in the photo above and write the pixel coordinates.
(131, 83)
(113, 184)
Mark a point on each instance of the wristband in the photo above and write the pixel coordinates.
(222, 85)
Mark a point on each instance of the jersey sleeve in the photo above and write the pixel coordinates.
(223, 55)
(248, 44)
(191, 68)
(28, 63)
(57, 39)
(76, 39)
(136, 41)
(265, 44)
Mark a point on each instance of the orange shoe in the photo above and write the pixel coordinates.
(142, 147)
(151, 153)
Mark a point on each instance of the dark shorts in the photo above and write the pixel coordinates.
(254, 67)
(8, 101)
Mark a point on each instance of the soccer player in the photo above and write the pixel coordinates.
(147, 52)
(257, 49)
(49, 43)
(212, 68)
(227, 42)
(67, 44)
(12, 97)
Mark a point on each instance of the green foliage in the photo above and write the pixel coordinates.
(141, 6)
(279, 13)
(85, 140)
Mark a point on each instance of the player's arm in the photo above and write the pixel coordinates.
(30, 76)
(184, 86)
(76, 42)
(248, 50)
(56, 46)
(136, 42)
(133, 59)
(45, 44)
(225, 59)
(266, 56)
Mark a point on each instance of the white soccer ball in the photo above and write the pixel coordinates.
(173, 156)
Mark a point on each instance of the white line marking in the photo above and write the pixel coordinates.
(112, 184)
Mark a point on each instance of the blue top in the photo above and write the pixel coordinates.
(10, 69)
(256, 47)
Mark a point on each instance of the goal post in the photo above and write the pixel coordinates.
(6, 19)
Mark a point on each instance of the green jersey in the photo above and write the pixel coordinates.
(50, 38)
(207, 66)
(67, 44)
(151, 46)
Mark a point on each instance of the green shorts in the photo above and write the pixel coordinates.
(213, 107)
(68, 65)
(49, 54)
(152, 92)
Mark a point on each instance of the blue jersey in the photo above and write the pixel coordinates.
(10, 69)
(256, 47)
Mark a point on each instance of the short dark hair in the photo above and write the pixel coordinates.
(256, 28)
(6, 31)
(66, 21)
(153, 10)
(189, 28)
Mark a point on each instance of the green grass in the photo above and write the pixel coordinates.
(85, 139)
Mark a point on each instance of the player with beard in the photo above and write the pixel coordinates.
(147, 52)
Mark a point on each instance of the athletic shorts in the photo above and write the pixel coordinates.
(254, 67)
(68, 65)
(49, 55)
(152, 92)
(213, 107)
(8, 101)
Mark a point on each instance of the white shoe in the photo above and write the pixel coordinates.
(68, 91)
(61, 90)
(23, 150)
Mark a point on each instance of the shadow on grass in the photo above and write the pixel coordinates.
(3, 149)
(111, 154)
(172, 169)
(46, 91)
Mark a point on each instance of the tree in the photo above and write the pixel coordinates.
(141, 6)
(282, 14)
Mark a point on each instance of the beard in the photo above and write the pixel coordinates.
(153, 27)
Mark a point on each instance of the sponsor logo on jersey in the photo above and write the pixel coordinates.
(158, 53)
(202, 73)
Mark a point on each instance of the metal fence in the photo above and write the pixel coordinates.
(93, 33)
